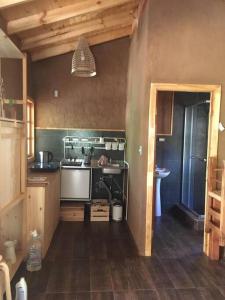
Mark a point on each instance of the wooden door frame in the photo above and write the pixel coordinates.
(213, 134)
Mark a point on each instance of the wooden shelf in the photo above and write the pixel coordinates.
(11, 120)
(215, 194)
(11, 204)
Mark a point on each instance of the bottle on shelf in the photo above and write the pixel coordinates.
(34, 254)
(21, 289)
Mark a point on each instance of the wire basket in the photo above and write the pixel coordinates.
(83, 62)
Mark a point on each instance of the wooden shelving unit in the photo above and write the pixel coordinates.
(13, 178)
(215, 208)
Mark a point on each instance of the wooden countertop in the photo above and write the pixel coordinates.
(40, 178)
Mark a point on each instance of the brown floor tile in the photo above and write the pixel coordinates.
(60, 277)
(212, 293)
(99, 260)
(81, 248)
(177, 273)
(80, 275)
(100, 275)
(180, 294)
(73, 296)
(198, 277)
(120, 274)
(157, 273)
(95, 245)
(145, 295)
(60, 296)
(102, 296)
(138, 274)
(124, 295)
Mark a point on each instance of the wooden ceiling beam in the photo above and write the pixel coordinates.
(60, 14)
(92, 40)
(74, 32)
(9, 3)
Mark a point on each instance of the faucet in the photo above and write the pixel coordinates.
(4, 268)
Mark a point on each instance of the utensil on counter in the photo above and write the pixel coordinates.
(87, 155)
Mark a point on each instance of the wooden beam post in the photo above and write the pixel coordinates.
(9, 3)
(80, 8)
(92, 40)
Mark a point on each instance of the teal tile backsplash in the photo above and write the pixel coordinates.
(51, 140)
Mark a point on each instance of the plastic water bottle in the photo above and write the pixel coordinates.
(21, 290)
(34, 255)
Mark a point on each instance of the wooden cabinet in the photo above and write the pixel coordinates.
(43, 207)
(164, 119)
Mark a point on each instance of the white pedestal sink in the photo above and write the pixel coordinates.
(160, 173)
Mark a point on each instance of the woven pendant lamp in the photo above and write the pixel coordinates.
(83, 62)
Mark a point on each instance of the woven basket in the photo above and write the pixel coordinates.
(83, 62)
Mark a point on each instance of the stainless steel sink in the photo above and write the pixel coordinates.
(112, 169)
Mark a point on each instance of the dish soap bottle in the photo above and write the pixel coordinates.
(21, 290)
(34, 255)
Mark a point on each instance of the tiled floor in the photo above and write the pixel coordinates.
(99, 261)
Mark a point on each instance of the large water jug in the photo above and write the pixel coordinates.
(34, 255)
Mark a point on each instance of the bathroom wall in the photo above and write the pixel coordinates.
(169, 154)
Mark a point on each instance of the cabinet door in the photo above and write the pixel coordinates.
(35, 210)
(52, 207)
(75, 184)
(164, 124)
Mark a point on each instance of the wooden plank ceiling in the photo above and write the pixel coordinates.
(47, 28)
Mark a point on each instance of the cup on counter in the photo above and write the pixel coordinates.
(101, 140)
(121, 146)
(10, 252)
(115, 145)
(108, 145)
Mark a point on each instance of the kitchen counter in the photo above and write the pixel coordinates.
(49, 167)
(94, 165)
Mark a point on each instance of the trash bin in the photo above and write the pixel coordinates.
(117, 212)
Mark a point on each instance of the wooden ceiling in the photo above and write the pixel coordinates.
(47, 28)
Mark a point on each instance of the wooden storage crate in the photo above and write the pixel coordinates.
(72, 212)
(100, 210)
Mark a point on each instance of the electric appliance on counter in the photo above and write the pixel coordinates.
(45, 157)
(75, 180)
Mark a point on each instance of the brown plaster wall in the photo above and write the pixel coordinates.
(89, 103)
(11, 71)
(176, 42)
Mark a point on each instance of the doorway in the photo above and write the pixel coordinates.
(212, 144)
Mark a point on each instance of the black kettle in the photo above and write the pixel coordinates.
(45, 157)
